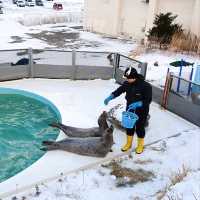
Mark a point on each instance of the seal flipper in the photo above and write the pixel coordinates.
(55, 124)
(50, 145)
(47, 142)
(43, 149)
(62, 127)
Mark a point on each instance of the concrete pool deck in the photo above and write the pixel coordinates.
(80, 103)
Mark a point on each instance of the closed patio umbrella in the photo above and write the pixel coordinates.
(180, 63)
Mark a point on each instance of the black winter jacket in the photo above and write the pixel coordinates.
(140, 90)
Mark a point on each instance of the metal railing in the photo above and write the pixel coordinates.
(122, 62)
(184, 102)
(64, 64)
(185, 88)
(79, 65)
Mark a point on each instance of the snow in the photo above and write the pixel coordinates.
(172, 143)
(39, 19)
(188, 187)
(178, 145)
(157, 74)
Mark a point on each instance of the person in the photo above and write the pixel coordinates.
(139, 96)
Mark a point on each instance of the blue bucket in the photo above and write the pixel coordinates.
(129, 119)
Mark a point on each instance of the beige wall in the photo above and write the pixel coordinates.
(101, 16)
(187, 11)
(195, 25)
(116, 17)
(182, 8)
(131, 17)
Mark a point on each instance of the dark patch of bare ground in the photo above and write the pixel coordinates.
(63, 39)
(128, 177)
(16, 39)
(25, 52)
(59, 26)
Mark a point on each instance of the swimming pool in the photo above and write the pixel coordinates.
(24, 119)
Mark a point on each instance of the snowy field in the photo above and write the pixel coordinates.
(172, 150)
(42, 27)
(156, 74)
(171, 165)
(35, 15)
(16, 33)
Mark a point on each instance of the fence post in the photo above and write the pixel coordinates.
(115, 65)
(144, 69)
(167, 87)
(74, 64)
(31, 66)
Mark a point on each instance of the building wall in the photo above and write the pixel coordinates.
(116, 17)
(182, 8)
(187, 12)
(132, 17)
(101, 16)
(195, 25)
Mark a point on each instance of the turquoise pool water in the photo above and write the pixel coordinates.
(23, 126)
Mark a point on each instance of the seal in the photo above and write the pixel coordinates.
(84, 132)
(90, 146)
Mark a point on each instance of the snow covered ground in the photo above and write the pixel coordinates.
(17, 32)
(157, 74)
(171, 154)
(171, 165)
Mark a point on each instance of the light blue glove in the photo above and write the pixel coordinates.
(135, 105)
(108, 99)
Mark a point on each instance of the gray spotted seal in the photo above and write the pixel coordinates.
(89, 146)
(84, 132)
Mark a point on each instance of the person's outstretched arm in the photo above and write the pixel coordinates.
(121, 89)
(115, 94)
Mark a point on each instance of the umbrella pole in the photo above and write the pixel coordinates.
(179, 79)
(189, 86)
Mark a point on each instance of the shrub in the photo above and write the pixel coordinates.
(185, 41)
(163, 29)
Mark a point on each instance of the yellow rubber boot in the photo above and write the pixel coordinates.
(128, 144)
(140, 146)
